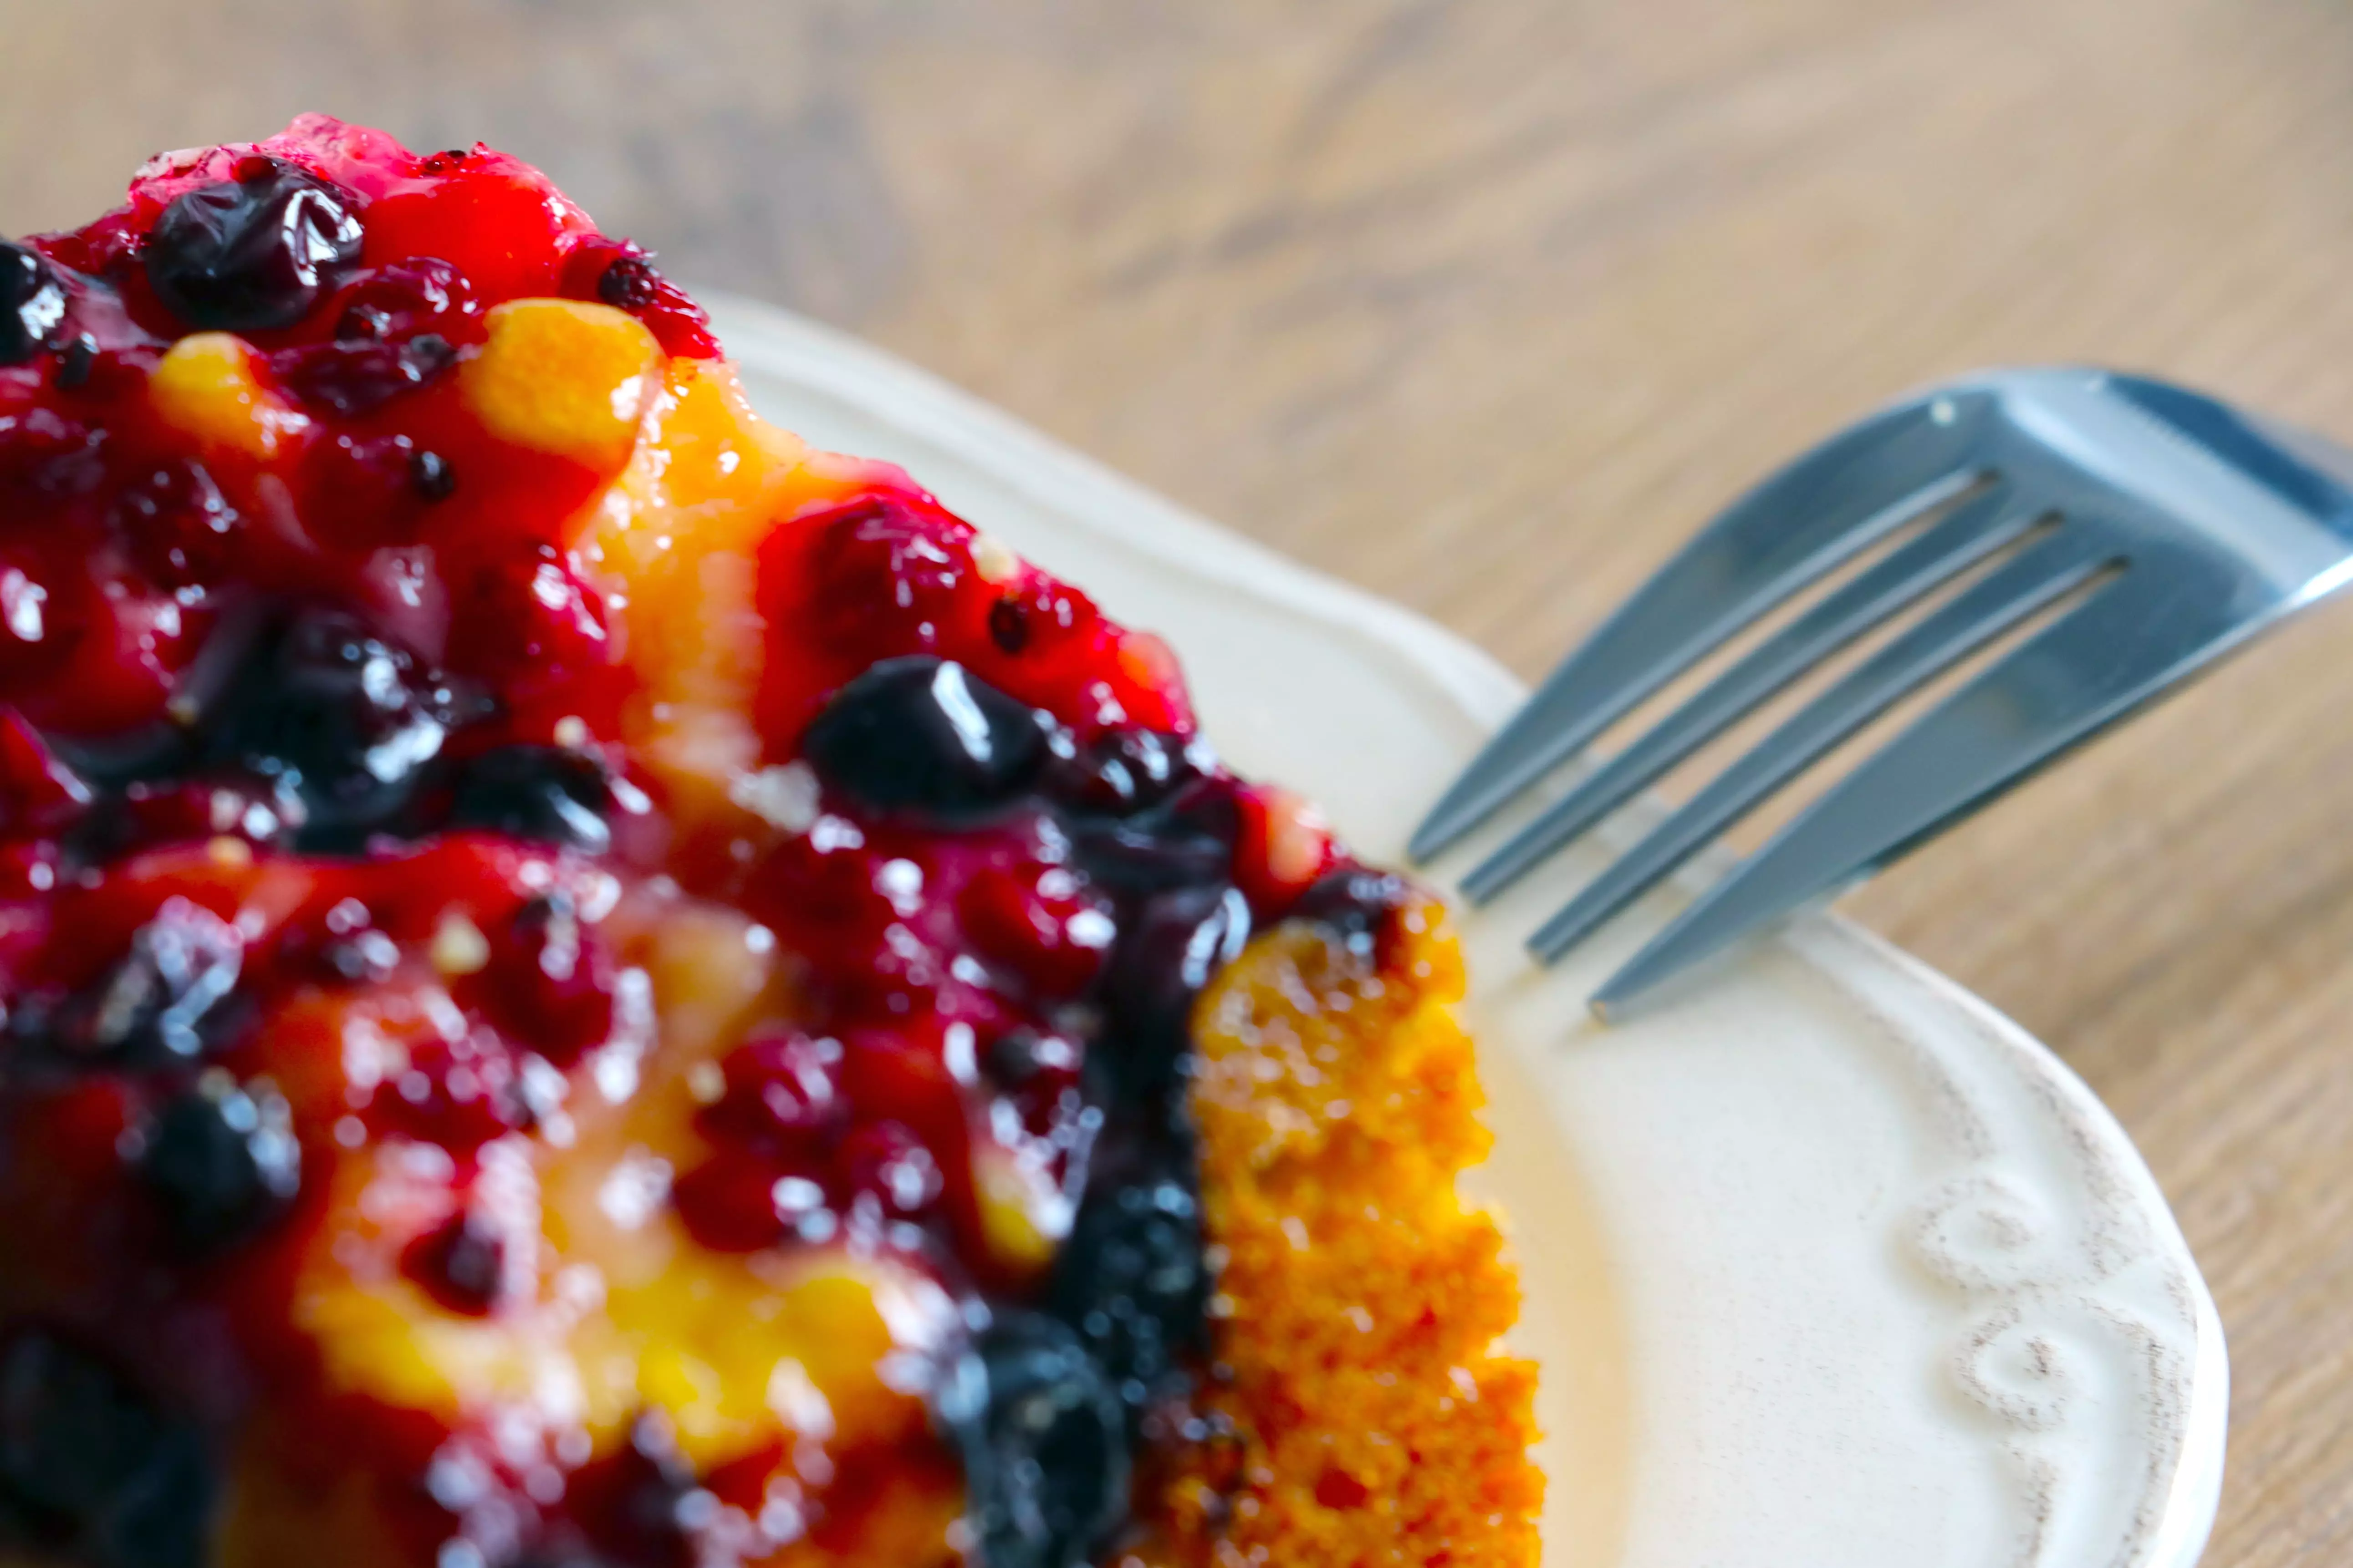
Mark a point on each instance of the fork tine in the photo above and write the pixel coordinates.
(2058, 688)
(1980, 526)
(1791, 529)
(1981, 612)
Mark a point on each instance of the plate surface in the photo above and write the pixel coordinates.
(1827, 1263)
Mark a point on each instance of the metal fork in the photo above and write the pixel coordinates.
(2179, 526)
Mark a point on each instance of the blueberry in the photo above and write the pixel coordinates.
(544, 793)
(1121, 771)
(255, 252)
(167, 998)
(1184, 840)
(219, 1162)
(1177, 941)
(1131, 1280)
(350, 718)
(91, 1468)
(921, 734)
(1044, 1440)
(1354, 906)
(32, 303)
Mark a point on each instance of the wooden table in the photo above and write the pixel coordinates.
(1484, 306)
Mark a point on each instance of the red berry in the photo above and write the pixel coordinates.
(420, 294)
(1038, 920)
(738, 1201)
(618, 274)
(495, 219)
(905, 1075)
(886, 1161)
(47, 610)
(527, 623)
(817, 891)
(1284, 847)
(349, 379)
(459, 1094)
(38, 794)
(373, 481)
(179, 528)
(783, 1094)
(549, 983)
(257, 810)
(47, 457)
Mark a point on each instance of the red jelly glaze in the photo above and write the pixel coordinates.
(133, 571)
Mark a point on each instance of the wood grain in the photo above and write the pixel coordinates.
(1484, 306)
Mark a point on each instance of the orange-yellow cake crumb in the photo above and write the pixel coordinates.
(1374, 1418)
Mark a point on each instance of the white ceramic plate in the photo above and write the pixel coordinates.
(1828, 1264)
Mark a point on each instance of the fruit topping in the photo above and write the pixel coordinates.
(1045, 1446)
(32, 304)
(344, 716)
(1131, 1281)
(255, 252)
(219, 1160)
(166, 999)
(918, 734)
(461, 1264)
(565, 378)
(546, 794)
(180, 528)
(625, 991)
(90, 1466)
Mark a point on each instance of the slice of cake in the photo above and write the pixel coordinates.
(587, 985)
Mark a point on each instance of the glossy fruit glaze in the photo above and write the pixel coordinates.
(584, 984)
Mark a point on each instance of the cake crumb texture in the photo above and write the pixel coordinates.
(1374, 1417)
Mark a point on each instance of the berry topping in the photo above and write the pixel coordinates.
(32, 304)
(461, 1264)
(583, 986)
(220, 1160)
(165, 998)
(541, 793)
(1121, 771)
(356, 378)
(407, 299)
(620, 275)
(1178, 940)
(1354, 905)
(630, 283)
(39, 792)
(549, 980)
(919, 734)
(254, 252)
(91, 1468)
(181, 530)
(430, 473)
(349, 719)
(1130, 1281)
(1045, 1446)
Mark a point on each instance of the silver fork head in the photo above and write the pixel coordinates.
(2179, 526)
